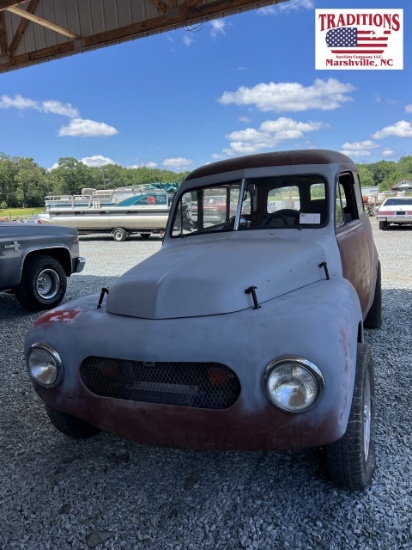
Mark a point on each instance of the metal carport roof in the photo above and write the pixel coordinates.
(34, 31)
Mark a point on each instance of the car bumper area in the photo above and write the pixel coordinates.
(78, 264)
(196, 428)
(395, 219)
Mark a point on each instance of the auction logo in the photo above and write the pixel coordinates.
(359, 39)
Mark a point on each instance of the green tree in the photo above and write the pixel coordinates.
(365, 176)
(381, 170)
(30, 183)
(8, 171)
(69, 177)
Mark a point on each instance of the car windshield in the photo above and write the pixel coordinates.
(282, 202)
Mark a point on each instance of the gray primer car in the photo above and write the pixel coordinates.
(245, 332)
(35, 262)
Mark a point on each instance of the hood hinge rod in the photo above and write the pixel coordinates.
(252, 290)
(102, 293)
(325, 267)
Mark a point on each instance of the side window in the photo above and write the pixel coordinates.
(346, 201)
(358, 193)
(340, 202)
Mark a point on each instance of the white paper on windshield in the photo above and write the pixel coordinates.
(309, 218)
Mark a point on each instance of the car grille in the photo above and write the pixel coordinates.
(200, 385)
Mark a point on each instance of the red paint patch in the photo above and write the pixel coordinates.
(60, 316)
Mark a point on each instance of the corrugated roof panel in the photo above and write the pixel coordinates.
(59, 28)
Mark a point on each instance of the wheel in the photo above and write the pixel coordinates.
(374, 317)
(119, 235)
(145, 235)
(351, 460)
(70, 425)
(383, 225)
(43, 283)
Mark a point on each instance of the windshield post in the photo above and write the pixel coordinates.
(239, 204)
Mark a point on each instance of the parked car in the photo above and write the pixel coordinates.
(247, 333)
(35, 262)
(396, 210)
(32, 219)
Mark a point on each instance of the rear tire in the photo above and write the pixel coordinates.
(383, 225)
(351, 461)
(43, 283)
(374, 317)
(70, 425)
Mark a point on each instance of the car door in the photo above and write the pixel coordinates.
(353, 238)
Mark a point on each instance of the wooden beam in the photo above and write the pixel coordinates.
(3, 36)
(21, 28)
(4, 4)
(43, 22)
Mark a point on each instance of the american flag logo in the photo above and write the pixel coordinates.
(351, 40)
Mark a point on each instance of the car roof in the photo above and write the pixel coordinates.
(278, 158)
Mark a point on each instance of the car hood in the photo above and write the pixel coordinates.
(210, 278)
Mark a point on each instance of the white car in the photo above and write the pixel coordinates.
(396, 210)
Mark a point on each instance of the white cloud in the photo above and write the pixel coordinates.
(388, 152)
(87, 128)
(358, 148)
(187, 40)
(18, 102)
(408, 108)
(292, 5)
(180, 164)
(97, 161)
(402, 129)
(218, 26)
(244, 119)
(325, 95)
(47, 106)
(268, 135)
(58, 108)
(77, 126)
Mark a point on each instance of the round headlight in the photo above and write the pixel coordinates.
(293, 384)
(45, 365)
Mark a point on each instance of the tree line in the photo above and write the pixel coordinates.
(23, 183)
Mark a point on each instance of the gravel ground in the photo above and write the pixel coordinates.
(109, 493)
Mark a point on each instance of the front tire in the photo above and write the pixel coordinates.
(70, 425)
(351, 461)
(43, 283)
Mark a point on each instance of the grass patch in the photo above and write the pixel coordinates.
(11, 214)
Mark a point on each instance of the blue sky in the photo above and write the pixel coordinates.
(238, 85)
